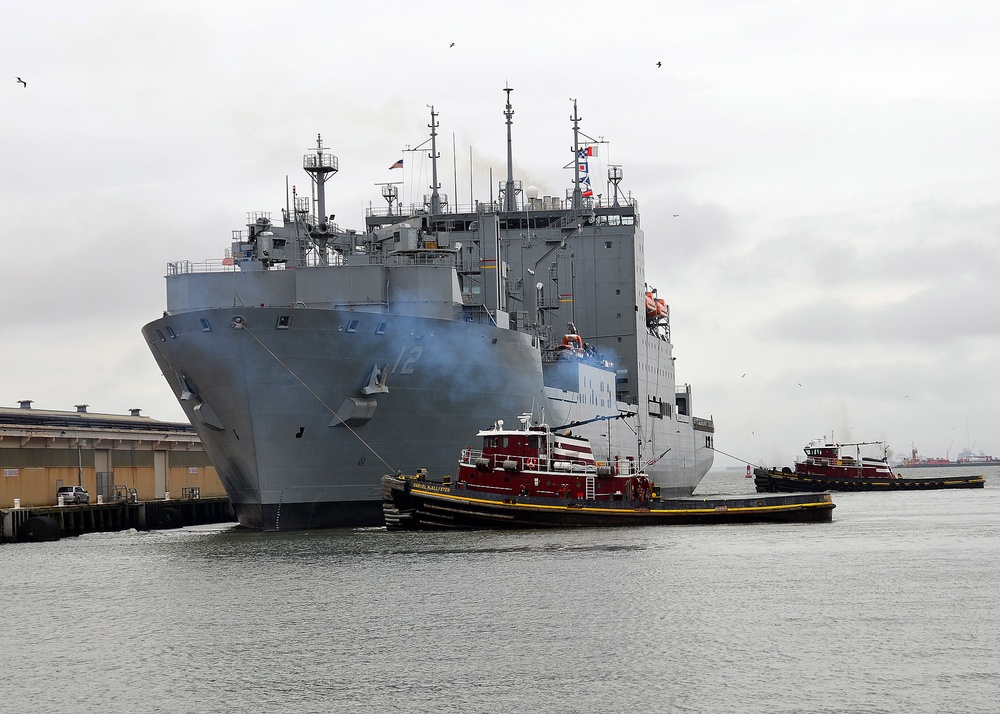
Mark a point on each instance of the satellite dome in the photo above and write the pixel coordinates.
(531, 192)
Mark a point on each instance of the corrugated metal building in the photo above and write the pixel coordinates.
(41, 450)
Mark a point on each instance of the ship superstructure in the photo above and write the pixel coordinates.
(314, 359)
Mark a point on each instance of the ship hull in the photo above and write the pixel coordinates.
(284, 416)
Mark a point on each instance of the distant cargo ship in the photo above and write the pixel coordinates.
(966, 458)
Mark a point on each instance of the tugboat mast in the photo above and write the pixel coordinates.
(509, 202)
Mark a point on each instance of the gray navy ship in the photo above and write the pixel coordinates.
(312, 359)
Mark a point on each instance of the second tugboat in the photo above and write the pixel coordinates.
(537, 477)
(827, 468)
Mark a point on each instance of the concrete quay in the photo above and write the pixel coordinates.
(45, 523)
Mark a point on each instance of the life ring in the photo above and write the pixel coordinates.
(530, 463)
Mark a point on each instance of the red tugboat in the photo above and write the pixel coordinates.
(826, 467)
(536, 477)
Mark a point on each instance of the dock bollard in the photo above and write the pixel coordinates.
(62, 501)
(100, 498)
(166, 496)
(17, 503)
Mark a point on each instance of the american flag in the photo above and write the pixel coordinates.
(397, 165)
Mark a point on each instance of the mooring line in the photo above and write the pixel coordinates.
(748, 463)
(320, 400)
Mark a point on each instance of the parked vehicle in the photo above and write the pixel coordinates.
(72, 494)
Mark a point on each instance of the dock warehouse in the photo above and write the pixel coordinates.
(41, 450)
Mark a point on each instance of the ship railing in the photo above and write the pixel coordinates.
(529, 463)
(496, 461)
(816, 460)
(410, 210)
(439, 257)
(574, 466)
(214, 265)
(404, 211)
(312, 258)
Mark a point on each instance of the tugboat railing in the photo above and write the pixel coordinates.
(472, 457)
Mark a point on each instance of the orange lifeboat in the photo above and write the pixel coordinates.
(650, 306)
(573, 342)
(656, 308)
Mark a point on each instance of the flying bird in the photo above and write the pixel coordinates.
(452, 44)
(676, 215)
(22, 82)
(659, 64)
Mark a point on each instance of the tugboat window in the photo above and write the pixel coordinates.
(205, 324)
(352, 326)
(284, 322)
(380, 330)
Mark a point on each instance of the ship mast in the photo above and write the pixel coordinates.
(320, 167)
(435, 204)
(577, 193)
(509, 202)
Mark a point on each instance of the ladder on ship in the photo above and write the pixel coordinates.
(590, 488)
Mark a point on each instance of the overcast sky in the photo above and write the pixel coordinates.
(832, 267)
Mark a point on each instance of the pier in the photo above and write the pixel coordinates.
(43, 523)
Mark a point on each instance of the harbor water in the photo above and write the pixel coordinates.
(890, 608)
